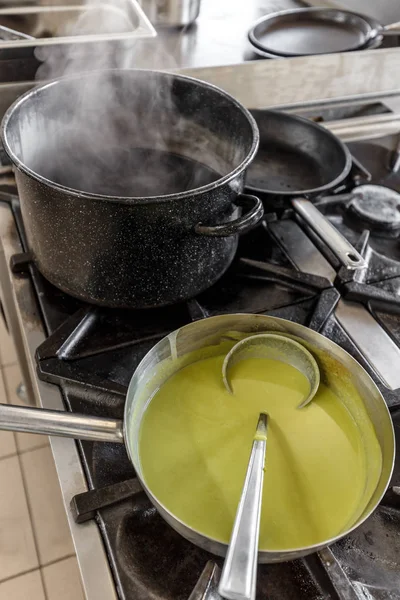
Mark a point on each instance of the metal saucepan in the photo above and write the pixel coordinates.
(299, 160)
(171, 13)
(210, 337)
(130, 183)
(306, 31)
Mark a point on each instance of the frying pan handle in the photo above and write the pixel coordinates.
(341, 248)
(243, 224)
(391, 29)
(60, 423)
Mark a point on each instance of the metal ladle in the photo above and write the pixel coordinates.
(275, 347)
(239, 574)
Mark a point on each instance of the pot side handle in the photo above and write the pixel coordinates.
(252, 216)
(60, 423)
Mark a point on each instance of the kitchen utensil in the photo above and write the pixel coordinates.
(297, 161)
(239, 574)
(275, 347)
(213, 337)
(305, 31)
(172, 13)
(259, 52)
(121, 204)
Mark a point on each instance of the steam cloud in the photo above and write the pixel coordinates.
(118, 136)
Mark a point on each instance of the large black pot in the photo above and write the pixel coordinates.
(130, 183)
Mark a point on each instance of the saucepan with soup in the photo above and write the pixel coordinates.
(328, 464)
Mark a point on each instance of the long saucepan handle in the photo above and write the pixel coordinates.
(391, 29)
(336, 242)
(239, 574)
(64, 424)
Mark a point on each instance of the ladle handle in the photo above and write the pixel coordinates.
(336, 242)
(239, 574)
(60, 423)
(391, 29)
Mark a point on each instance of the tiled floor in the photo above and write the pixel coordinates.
(37, 560)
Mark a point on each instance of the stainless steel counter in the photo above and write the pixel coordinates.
(385, 11)
(216, 49)
(218, 37)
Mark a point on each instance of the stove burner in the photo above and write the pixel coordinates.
(377, 206)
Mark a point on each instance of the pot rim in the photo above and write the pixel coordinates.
(330, 185)
(264, 555)
(130, 199)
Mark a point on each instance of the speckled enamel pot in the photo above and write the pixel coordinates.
(128, 251)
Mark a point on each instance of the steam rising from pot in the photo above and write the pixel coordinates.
(107, 136)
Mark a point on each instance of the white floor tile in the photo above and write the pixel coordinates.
(63, 581)
(25, 441)
(7, 438)
(7, 348)
(7, 444)
(17, 547)
(47, 509)
(24, 587)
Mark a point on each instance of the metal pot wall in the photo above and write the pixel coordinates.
(76, 141)
(172, 13)
(210, 337)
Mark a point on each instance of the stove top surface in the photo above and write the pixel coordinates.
(91, 353)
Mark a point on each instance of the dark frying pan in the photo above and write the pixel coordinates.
(259, 53)
(299, 160)
(306, 31)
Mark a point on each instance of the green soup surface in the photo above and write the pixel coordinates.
(195, 443)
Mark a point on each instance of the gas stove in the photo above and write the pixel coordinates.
(84, 357)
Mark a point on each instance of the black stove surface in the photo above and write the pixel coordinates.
(91, 353)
